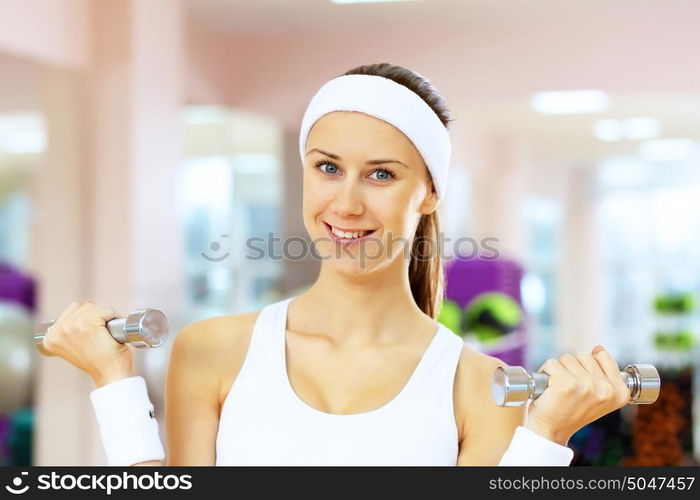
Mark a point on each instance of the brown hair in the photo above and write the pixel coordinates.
(425, 275)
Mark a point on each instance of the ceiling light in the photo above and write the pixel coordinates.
(623, 171)
(570, 102)
(608, 130)
(641, 128)
(668, 149)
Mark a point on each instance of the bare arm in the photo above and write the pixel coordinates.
(191, 397)
(191, 400)
(201, 353)
(487, 429)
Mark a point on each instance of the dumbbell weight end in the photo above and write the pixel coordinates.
(514, 386)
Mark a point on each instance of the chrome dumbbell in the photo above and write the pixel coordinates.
(141, 328)
(514, 385)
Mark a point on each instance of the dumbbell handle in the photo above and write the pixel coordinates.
(141, 328)
(514, 386)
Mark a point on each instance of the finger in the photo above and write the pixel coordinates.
(573, 365)
(607, 363)
(558, 375)
(72, 318)
(590, 364)
(86, 304)
(73, 306)
(96, 315)
(107, 313)
(612, 371)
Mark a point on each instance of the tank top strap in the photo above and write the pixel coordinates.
(436, 371)
(262, 360)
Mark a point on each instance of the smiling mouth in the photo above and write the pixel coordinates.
(348, 235)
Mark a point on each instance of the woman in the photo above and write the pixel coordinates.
(355, 370)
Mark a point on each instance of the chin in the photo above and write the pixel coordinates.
(347, 266)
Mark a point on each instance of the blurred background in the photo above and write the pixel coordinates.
(143, 142)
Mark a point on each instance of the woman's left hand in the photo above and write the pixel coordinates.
(580, 389)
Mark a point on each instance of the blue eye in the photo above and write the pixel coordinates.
(386, 174)
(333, 166)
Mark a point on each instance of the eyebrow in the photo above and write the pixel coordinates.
(369, 162)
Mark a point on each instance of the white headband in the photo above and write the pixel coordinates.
(392, 102)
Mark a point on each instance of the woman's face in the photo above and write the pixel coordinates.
(362, 216)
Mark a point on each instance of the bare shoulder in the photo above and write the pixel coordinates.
(194, 384)
(473, 381)
(485, 429)
(219, 332)
(473, 363)
(219, 342)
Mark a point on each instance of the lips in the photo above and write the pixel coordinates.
(347, 241)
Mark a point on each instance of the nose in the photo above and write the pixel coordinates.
(348, 199)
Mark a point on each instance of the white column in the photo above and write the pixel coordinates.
(116, 221)
(60, 248)
(138, 84)
(579, 310)
(497, 192)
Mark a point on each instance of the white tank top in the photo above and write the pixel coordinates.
(264, 422)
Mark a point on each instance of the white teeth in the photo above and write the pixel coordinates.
(343, 234)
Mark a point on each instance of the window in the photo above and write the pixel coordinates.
(229, 191)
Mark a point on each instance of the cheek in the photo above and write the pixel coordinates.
(396, 209)
(315, 196)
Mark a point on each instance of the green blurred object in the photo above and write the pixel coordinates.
(491, 315)
(684, 340)
(674, 303)
(680, 341)
(451, 316)
(674, 309)
(661, 340)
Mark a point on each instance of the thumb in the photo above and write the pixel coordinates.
(597, 349)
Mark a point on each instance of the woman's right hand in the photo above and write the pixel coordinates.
(79, 335)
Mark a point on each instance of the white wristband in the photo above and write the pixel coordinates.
(128, 426)
(529, 448)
